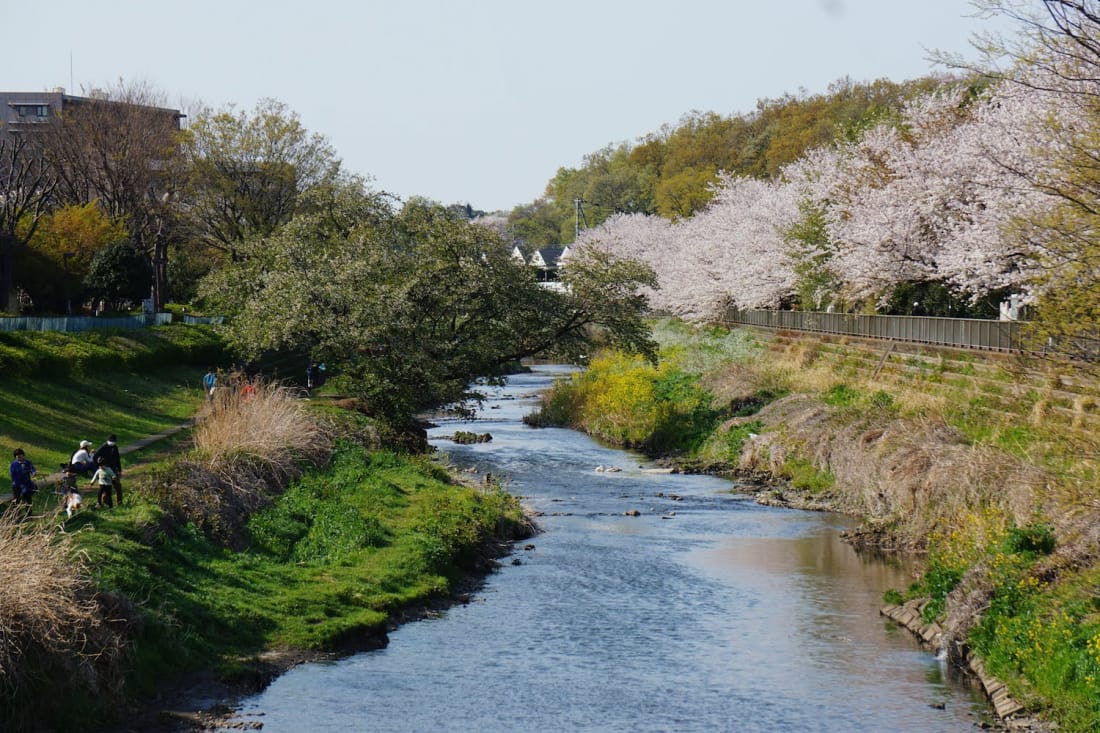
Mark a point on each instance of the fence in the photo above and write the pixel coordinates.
(967, 333)
(82, 323)
(210, 320)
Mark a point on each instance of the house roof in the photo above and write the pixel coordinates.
(552, 255)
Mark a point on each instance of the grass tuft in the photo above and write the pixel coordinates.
(52, 625)
(247, 449)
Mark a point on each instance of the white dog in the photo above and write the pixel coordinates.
(72, 502)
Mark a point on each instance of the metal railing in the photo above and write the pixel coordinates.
(82, 323)
(208, 320)
(967, 333)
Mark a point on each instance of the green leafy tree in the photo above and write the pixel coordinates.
(812, 252)
(246, 171)
(536, 224)
(120, 274)
(410, 309)
(59, 254)
(682, 194)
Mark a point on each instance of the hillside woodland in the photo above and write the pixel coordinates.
(940, 196)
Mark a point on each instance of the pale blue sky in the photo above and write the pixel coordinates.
(477, 101)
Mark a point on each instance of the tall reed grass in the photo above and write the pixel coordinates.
(53, 631)
(263, 419)
(253, 440)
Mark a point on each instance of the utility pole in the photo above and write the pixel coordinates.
(578, 217)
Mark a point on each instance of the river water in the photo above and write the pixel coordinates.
(706, 612)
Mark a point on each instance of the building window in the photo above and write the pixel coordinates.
(39, 112)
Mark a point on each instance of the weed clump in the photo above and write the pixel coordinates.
(248, 448)
(54, 631)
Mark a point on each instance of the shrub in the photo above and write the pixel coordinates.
(736, 436)
(805, 476)
(937, 582)
(1034, 539)
(627, 401)
(558, 407)
(840, 395)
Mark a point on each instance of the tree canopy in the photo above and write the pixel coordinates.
(673, 171)
(410, 307)
(245, 171)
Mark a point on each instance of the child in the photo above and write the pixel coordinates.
(104, 478)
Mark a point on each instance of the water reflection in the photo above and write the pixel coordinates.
(705, 612)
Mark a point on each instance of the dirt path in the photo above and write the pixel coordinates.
(53, 479)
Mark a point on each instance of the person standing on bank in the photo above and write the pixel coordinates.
(103, 479)
(111, 458)
(22, 477)
(209, 380)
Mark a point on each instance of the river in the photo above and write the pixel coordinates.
(705, 612)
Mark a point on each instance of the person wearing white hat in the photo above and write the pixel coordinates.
(82, 461)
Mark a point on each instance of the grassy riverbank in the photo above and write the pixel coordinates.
(1000, 497)
(59, 389)
(278, 526)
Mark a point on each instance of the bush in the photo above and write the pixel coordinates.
(937, 583)
(735, 437)
(627, 401)
(1034, 539)
(560, 406)
(840, 395)
(803, 475)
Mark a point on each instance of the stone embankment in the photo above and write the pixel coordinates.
(909, 615)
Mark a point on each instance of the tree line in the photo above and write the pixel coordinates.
(251, 215)
(672, 172)
(971, 188)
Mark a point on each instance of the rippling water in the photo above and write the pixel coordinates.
(705, 613)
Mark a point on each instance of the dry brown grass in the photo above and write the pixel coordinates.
(915, 476)
(54, 629)
(904, 469)
(269, 424)
(248, 448)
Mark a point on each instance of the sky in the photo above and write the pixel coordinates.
(477, 101)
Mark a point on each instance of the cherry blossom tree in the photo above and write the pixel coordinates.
(931, 198)
(933, 195)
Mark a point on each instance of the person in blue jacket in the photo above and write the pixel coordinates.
(209, 380)
(22, 477)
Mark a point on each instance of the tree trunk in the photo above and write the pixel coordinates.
(7, 262)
